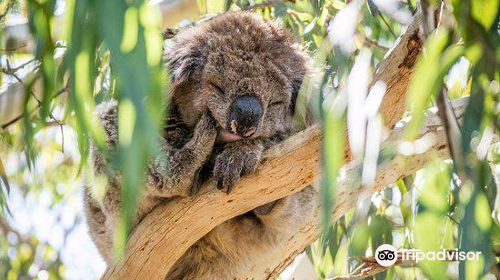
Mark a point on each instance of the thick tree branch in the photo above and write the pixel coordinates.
(165, 234)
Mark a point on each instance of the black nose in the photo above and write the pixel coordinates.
(244, 115)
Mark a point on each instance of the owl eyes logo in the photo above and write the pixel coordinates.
(386, 255)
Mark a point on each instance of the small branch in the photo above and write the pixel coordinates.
(7, 9)
(453, 132)
(13, 49)
(12, 70)
(371, 43)
(388, 25)
(170, 33)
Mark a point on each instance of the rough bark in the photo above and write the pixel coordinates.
(165, 234)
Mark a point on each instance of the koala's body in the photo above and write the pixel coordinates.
(235, 80)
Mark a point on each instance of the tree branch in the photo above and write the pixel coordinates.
(171, 229)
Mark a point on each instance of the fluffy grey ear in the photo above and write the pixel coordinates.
(183, 63)
(185, 56)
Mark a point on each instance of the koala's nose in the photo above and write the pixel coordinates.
(244, 115)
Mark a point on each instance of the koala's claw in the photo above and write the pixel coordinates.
(234, 162)
(227, 176)
(219, 184)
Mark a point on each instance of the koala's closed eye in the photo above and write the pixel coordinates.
(276, 103)
(217, 89)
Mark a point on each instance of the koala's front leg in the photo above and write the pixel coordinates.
(173, 172)
(237, 158)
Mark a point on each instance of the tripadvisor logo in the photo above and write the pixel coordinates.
(387, 255)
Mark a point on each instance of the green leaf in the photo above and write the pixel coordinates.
(372, 8)
(436, 188)
(3, 176)
(485, 11)
(139, 89)
(333, 155)
(476, 236)
(333, 241)
(427, 229)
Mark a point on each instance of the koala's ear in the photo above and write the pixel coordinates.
(183, 63)
(185, 56)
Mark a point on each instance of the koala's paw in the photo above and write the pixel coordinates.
(235, 161)
(205, 134)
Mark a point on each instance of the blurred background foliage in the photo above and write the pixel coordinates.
(82, 52)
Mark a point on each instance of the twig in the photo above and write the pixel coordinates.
(7, 9)
(388, 25)
(170, 33)
(12, 49)
(371, 43)
(11, 70)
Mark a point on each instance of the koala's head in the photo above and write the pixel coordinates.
(244, 71)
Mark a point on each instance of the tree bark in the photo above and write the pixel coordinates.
(166, 233)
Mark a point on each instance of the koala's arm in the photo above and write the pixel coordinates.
(173, 170)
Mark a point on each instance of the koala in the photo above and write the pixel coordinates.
(235, 81)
